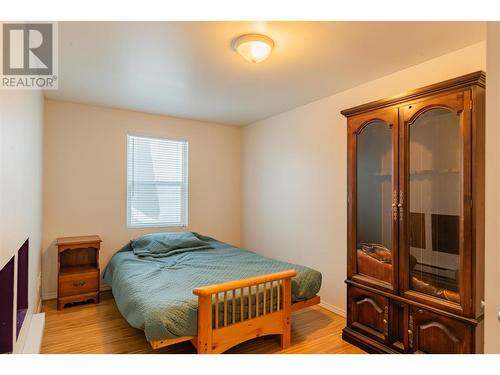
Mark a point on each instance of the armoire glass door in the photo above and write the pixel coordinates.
(433, 200)
(375, 201)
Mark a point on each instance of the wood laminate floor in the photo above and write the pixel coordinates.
(101, 329)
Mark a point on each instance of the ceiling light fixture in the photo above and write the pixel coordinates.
(253, 48)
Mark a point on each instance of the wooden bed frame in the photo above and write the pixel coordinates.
(261, 320)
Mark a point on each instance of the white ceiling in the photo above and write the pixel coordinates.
(188, 69)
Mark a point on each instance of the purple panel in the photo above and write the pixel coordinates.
(6, 306)
(22, 285)
(21, 314)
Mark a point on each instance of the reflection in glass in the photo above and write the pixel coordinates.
(374, 199)
(434, 198)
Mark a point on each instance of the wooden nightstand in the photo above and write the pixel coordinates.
(78, 276)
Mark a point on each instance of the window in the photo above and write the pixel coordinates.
(157, 185)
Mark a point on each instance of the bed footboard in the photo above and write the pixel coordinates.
(239, 317)
(245, 314)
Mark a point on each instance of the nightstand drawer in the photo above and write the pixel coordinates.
(74, 284)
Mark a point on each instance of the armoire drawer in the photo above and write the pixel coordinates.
(429, 332)
(368, 313)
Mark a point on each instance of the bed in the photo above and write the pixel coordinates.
(184, 286)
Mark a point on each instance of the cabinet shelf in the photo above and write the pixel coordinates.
(417, 172)
(434, 171)
(72, 270)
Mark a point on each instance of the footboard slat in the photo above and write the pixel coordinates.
(257, 300)
(278, 301)
(249, 315)
(225, 309)
(216, 310)
(272, 299)
(242, 303)
(233, 307)
(264, 298)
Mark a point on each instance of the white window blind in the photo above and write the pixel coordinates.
(157, 185)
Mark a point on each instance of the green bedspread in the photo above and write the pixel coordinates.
(155, 293)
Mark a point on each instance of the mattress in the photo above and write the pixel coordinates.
(155, 294)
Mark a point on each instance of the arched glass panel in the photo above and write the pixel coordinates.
(374, 198)
(434, 204)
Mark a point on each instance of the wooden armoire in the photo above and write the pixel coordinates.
(415, 256)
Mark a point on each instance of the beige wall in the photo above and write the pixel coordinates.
(85, 177)
(21, 123)
(492, 261)
(294, 172)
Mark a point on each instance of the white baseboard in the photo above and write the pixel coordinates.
(39, 306)
(49, 295)
(33, 343)
(53, 295)
(332, 308)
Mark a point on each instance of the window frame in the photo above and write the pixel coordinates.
(185, 198)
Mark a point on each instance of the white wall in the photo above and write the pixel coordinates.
(294, 172)
(492, 260)
(21, 122)
(85, 177)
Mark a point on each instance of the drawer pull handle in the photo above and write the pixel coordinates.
(410, 338)
(386, 321)
(79, 284)
(400, 205)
